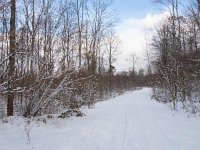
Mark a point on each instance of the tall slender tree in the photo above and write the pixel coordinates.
(11, 64)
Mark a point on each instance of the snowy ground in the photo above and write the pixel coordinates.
(129, 122)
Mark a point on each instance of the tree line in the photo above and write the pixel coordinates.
(175, 52)
(57, 54)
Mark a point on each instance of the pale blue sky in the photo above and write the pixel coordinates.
(136, 16)
(137, 19)
(139, 8)
(134, 8)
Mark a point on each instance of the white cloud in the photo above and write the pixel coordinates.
(132, 32)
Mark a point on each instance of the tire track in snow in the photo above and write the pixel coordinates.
(125, 129)
(137, 119)
(158, 131)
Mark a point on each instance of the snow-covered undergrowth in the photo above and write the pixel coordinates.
(189, 104)
(129, 122)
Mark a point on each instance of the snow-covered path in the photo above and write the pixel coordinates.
(129, 122)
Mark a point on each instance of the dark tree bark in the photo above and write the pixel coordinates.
(11, 64)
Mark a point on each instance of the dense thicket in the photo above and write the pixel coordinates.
(176, 51)
(56, 54)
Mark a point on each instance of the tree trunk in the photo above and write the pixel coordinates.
(110, 69)
(11, 64)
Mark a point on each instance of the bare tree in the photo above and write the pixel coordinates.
(132, 60)
(11, 64)
(112, 47)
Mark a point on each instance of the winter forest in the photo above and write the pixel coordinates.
(59, 58)
(58, 54)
